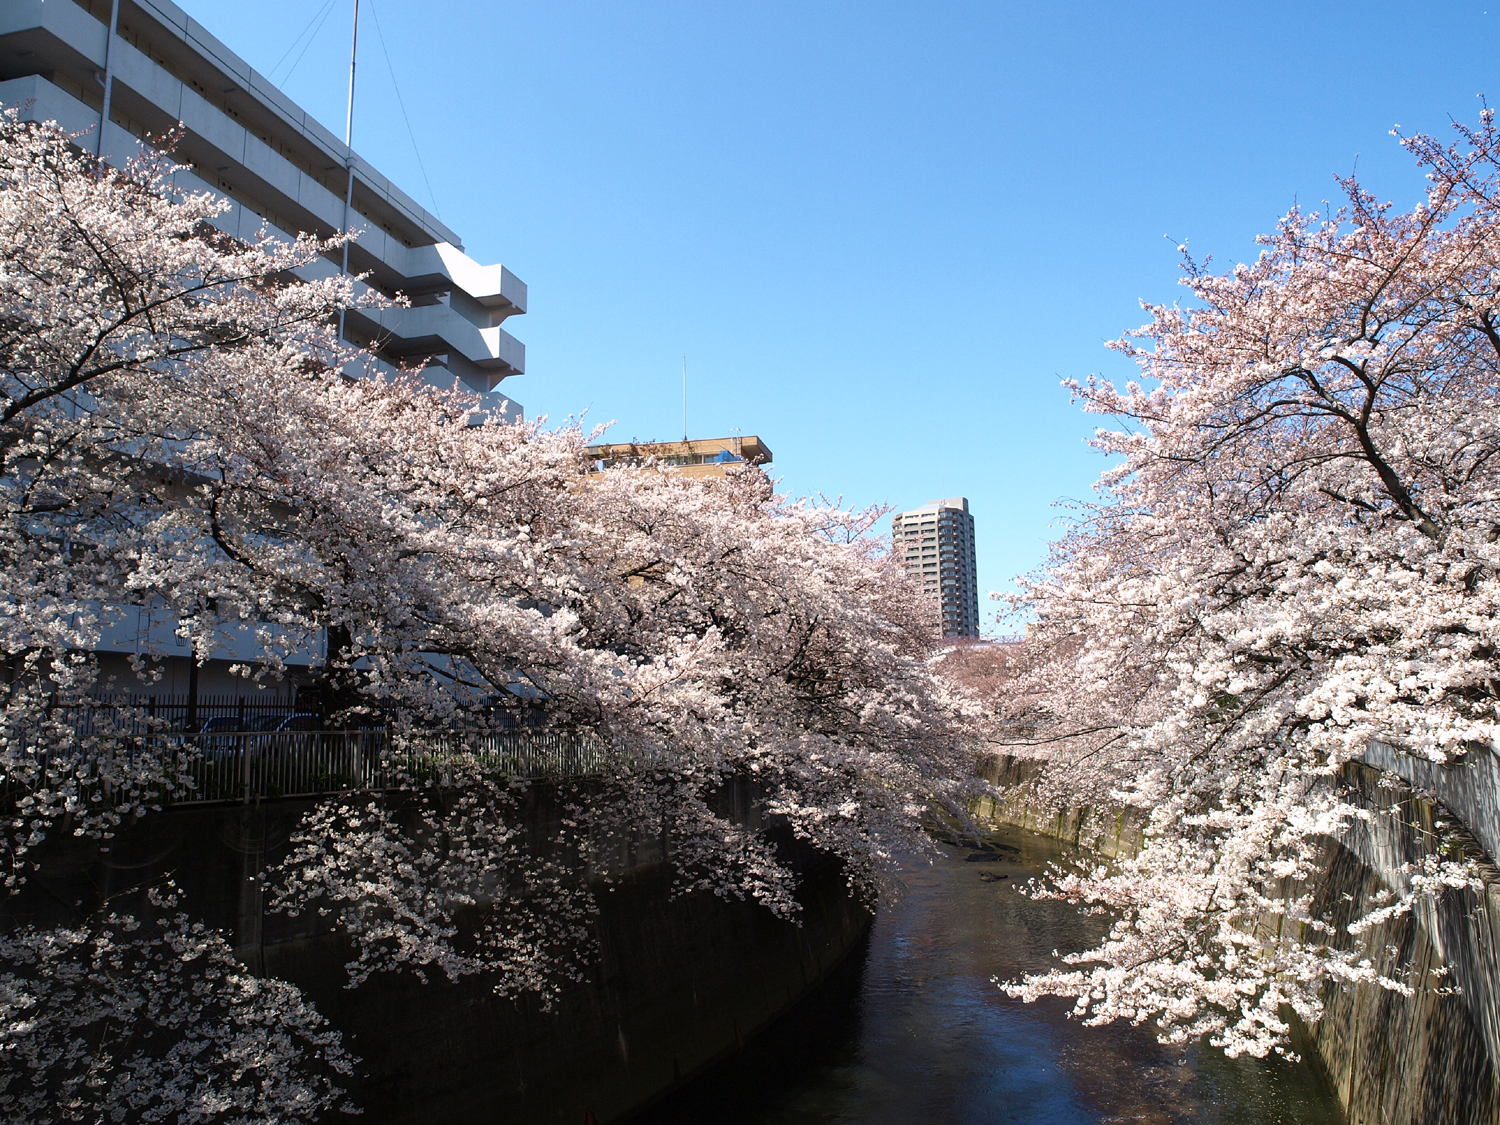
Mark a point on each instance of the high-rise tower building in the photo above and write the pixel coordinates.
(936, 545)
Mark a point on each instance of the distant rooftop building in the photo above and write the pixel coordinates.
(247, 141)
(702, 457)
(935, 544)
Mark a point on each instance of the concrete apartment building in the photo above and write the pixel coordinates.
(700, 457)
(251, 143)
(248, 142)
(935, 544)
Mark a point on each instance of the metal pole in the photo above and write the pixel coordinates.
(190, 723)
(349, 144)
(109, 71)
(353, 51)
(244, 750)
(684, 400)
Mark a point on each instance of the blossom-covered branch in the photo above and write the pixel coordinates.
(125, 1019)
(1295, 552)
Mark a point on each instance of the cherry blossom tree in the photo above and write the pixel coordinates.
(1294, 552)
(182, 430)
(127, 318)
(121, 1019)
(124, 315)
(707, 634)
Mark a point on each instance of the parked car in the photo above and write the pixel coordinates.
(280, 732)
(224, 735)
(304, 720)
(215, 738)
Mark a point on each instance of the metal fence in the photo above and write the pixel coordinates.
(136, 714)
(248, 766)
(249, 748)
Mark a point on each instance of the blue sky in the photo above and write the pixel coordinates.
(880, 233)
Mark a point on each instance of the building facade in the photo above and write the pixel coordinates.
(280, 169)
(935, 544)
(247, 141)
(700, 457)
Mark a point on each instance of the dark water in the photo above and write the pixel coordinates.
(910, 1031)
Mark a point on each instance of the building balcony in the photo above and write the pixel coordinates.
(481, 356)
(248, 142)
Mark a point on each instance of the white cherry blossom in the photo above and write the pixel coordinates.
(1294, 551)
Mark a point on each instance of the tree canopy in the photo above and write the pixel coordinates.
(1293, 552)
(181, 429)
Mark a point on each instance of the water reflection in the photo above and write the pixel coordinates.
(910, 1031)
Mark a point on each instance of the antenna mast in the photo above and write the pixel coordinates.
(684, 399)
(349, 145)
(109, 72)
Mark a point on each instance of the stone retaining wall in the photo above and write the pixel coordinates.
(1109, 832)
(679, 982)
(1431, 1057)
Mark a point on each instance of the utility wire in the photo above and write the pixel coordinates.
(399, 101)
(327, 11)
(293, 45)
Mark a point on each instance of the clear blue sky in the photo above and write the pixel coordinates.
(881, 233)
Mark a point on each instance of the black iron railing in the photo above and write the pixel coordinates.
(142, 713)
(250, 766)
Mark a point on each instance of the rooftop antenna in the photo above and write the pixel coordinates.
(349, 146)
(684, 399)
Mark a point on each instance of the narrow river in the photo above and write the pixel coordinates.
(912, 1032)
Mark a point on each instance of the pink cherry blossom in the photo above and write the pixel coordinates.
(1294, 551)
(182, 431)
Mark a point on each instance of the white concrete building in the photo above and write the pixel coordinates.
(247, 141)
(251, 143)
(935, 544)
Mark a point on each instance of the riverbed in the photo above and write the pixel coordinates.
(911, 1030)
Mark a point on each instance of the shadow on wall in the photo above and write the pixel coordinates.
(679, 982)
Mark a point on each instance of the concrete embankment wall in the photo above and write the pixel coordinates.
(1394, 1059)
(1108, 832)
(678, 982)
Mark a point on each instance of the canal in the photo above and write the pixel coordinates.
(911, 1031)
